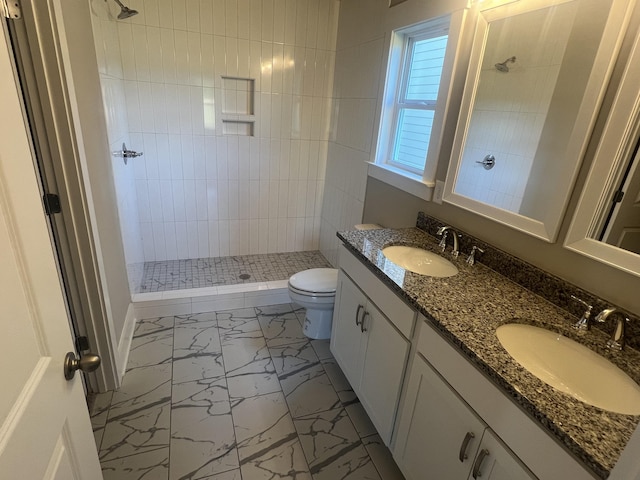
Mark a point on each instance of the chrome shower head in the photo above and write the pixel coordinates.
(125, 12)
(502, 67)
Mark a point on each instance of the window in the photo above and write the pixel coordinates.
(416, 98)
(419, 73)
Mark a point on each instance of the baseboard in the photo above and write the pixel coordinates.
(124, 346)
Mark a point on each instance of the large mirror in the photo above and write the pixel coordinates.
(536, 79)
(606, 223)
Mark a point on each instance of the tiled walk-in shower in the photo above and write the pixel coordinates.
(210, 272)
(235, 395)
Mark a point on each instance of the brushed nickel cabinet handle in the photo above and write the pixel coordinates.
(462, 456)
(360, 307)
(476, 466)
(362, 329)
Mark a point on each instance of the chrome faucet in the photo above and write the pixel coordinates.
(442, 231)
(585, 321)
(618, 337)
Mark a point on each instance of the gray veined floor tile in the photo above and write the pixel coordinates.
(209, 393)
(282, 462)
(152, 344)
(261, 423)
(360, 419)
(191, 366)
(293, 357)
(196, 337)
(281, 328)
(151, 465)
(142, 388)
(238, 323)
(321, 347)
(230, 475)
(303, 379)
(248, 367)
(196, 319)
(153, 325)
(326, 435)
(136, 432)
(339, 382)
(202, 443)
(382, 458)
(99, 414)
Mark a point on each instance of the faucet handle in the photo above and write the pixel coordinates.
(584, 322)
(471, 259)
(443, 242)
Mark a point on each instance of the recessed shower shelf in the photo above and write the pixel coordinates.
(238, 106)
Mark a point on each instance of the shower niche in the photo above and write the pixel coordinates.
(531, 114)
(238, 106)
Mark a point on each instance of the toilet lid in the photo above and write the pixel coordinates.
(320, 280)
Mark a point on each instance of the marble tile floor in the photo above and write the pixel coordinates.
(235, 395)
(210, 272)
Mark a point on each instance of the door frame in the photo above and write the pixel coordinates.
(39, 44)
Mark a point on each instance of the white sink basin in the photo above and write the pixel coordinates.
(420, 261)
(571, 368)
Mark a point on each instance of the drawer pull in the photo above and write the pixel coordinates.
(362, 329)
(465, 444)
(360, 307)
(476, 466)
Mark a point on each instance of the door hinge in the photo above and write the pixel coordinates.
(51, 203)
(11, 8)
(618, 196)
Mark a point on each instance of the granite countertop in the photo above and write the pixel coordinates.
(468, 308)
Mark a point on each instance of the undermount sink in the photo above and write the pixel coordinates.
(571, 368)
(420, 261)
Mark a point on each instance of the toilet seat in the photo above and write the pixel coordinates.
(317, 282)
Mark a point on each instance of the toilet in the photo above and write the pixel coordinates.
(315, 290)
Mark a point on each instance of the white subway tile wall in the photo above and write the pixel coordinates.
(358, 74)
(196, 192)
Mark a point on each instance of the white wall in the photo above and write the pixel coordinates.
(105, 32)
(201, 193)
(364, 36)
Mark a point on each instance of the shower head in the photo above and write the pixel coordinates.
(502, 67)
(125, 12)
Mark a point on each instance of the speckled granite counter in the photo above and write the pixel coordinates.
(468, 307)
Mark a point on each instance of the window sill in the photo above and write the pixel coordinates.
(403, 180)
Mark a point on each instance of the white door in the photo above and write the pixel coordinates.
(45, 430)
(496, 462)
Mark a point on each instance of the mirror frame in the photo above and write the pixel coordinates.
(604, 61)
(618, 138)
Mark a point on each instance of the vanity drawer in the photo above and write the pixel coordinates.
(397, 311)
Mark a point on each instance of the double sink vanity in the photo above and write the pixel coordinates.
(454, 366)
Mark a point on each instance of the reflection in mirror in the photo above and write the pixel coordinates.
(606, 222)
(618, 222)
(537, 74)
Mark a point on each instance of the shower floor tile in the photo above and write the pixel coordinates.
(216, 271)
(240, 395)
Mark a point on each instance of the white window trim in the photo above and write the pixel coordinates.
(420, 185)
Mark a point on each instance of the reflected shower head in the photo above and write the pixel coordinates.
(502, 67)
(125, 12)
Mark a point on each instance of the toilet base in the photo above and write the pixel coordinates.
(317, 324)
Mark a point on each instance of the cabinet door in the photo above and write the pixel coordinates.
(346, 335)
(495, 461)
(383, 365)
(438, 435)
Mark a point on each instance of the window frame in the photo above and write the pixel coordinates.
(401, 102)
(455, 25)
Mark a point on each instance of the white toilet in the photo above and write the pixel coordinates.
(315, 290)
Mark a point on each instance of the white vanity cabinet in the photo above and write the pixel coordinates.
(439, 436)
(370, 340)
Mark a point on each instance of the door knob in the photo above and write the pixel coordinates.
(87, 363)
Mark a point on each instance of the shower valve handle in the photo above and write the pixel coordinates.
(126, 153)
